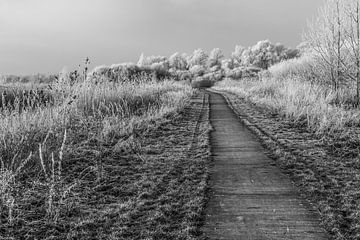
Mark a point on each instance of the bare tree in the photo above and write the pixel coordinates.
(335, 38)
(357, 55)
(326, 37)
(338, 40)
(353, 42)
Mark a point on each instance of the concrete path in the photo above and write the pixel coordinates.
(250, 198)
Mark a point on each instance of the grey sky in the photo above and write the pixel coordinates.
(45, 35)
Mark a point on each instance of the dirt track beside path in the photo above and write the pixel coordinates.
(250, 198)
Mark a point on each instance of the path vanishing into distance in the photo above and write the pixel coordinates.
(250, 199)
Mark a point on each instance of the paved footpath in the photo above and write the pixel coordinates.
(250, 199)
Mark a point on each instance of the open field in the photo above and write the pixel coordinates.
(131, 159)
(260, 143)
(112, 161)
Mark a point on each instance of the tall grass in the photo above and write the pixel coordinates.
(303, 102)
(34, 142)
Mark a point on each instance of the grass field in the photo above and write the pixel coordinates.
(123, 151)
(98, 156)
(130, 159)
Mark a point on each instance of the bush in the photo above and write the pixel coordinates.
(251, 71)
(128, 72)
(304, 67)
(233, 73)
(183, 75)
(213, 76)
(243, 72)
(198, 70)
(201, 82)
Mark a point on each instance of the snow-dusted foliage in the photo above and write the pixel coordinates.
(235, 73)
(243, 62)
(243, 72)
(198, 70)
(304, 48)
(129, 71)
(199, 57)
(227, 64)
(214, 76)
(262, 55)
(178, 61)
(215, 68)
(236, 56)
(183, 75)
(305, 67)
(100, 70)
(155, 61)
(215, 57)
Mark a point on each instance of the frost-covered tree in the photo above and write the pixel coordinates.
(289, 53)
(263, 54)
(304, 47)
(199, 57)
(142, 61)
(237, 54)
(155, 62)
(215, 57)
(198, 70)
(246, 57)
(353, 43)
(177, 61)
(327, 38)
(227, 64)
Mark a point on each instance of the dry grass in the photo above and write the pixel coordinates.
(298, 100)
(37, 142)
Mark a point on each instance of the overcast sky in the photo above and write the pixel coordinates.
(43, 36)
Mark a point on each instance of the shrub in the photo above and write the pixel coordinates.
(197, 70)
(304, 67)
(129, 72)
(201, 82)
(242, 72)
(183, 75)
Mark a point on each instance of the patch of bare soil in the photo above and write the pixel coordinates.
(150, 185)
(326, 167)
